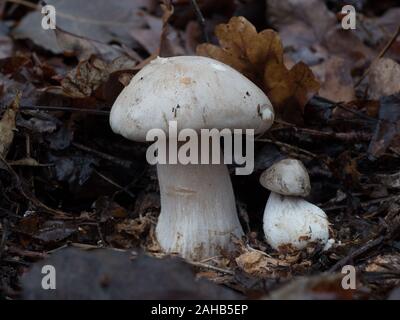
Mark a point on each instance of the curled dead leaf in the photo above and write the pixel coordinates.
(259, 56)
(92, 74)
(85, 78)
(135, 227)
(336, 81)
(260, 265)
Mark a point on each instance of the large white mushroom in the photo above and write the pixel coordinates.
(198, 212)
(289, 219)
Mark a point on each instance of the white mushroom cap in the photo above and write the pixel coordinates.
(294, 221)
(197, 92)
(288, 177)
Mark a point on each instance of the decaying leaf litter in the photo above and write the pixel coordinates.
(67, 181)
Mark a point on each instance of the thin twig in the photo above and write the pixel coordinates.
(210, 267)
(285, 145)
(27, 194)
(66, 109)
(382, 275)
(27, 253)
(344, 136)
(380, 55)
(115, 184)
(365, 203)
(356, 253)
(66, 245)
(123, 163)
(200, 19)
(358, 113)
(258, 251)
(317, 100)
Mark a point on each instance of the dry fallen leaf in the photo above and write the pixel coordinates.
(310, 32)
(7, 126)
(83, 48)
(90, 75)
(385, 264)
(135, 227)
(261, 265)
(160, 38)
(312, 17)
(99, 20)
(259, 56)
(336, 81)
(167, 49)
(85, 78)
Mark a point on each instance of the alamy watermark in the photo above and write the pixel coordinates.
(49, 19)
(49, 280)
(190, 147)
(349, 20)
(349, 280)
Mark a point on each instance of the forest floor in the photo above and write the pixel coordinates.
(66, 180)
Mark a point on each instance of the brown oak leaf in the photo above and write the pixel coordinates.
(259, 56)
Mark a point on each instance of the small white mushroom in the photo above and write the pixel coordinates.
(198, 211)
(289, 219)
(288, 177)
(294, 221)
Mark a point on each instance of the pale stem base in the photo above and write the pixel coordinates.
(198, 212)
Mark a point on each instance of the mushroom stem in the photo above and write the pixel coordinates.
(198, 212)
(293, 221)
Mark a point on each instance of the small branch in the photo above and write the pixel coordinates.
(115, 184)
(344, 136)
(200, 19)
(210, 267)
(380, 55)
(27, 253)
(285, 145)
(123, 163)
(358, 113)
(28, 195)
(365, 204)
(66, 109)
(356, 253)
